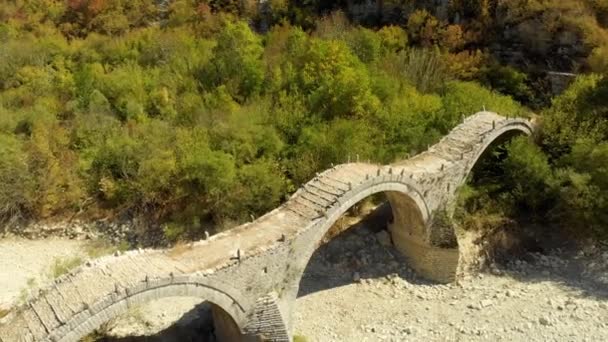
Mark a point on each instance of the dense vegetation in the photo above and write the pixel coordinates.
(190, 113)
(560, 183)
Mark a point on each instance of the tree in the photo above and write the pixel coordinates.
(423, 28)
(236, 61)
(529, 176)
(17, 190)
(509, 81)
(392, 38)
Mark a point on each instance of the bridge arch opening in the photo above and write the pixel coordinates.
(391, 240)
(495, 142)
(183, 319)
(490, 235)
(223, 321)
(394, 220)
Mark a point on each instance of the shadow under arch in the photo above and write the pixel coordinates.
(205, 322)
(228, 315)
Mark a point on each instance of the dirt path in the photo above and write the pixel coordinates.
(557, 297)
(27, 263)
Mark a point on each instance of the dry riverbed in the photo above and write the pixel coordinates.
(358, 289)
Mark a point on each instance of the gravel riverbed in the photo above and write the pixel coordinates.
(358, 288)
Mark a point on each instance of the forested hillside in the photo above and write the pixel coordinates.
(189, 113)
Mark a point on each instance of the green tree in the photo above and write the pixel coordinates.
(17, 190)
(236, 61)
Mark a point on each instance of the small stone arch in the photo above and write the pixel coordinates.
(229, 313)
(502, 133)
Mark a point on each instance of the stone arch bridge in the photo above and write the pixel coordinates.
(251, 274)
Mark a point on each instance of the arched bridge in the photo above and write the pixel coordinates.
(251, 273)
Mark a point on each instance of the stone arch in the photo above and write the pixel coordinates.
(226, 310)
(405, 200)
(409, 229)
(502, 133)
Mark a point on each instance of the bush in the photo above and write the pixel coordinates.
(392, 38)
(62, 266)
(509, 81)
(529, 176)
(365, 44)
(336, 83)
(424, 69)
(466, 98)
(236, 61)
(17, 184)
(321, 145)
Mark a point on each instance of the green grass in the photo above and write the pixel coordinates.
(3, 313)
(99, 248)
(62, 266)
(25, 292)
(299, 338)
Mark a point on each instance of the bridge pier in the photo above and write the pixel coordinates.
(412, 231)
(434, 263)
(267, 322)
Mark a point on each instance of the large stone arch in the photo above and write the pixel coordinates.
(229, 315)
(409, 228)
(409, 231)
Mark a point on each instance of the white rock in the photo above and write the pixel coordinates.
(485, 303)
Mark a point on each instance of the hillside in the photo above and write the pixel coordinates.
(192, 115)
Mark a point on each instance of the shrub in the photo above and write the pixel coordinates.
(509, 81)
(62, 266)
(17, 184)
(299, 338)
(424, 69)
(423, 28)
(529, 176)
(392, 38)
(466, 98)
(365, 44)
(236, 61)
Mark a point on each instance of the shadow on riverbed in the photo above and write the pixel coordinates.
(194, 325)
